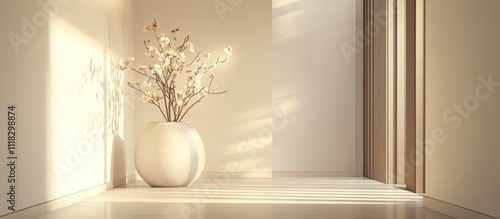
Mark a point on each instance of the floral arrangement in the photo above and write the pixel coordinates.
(159, 84)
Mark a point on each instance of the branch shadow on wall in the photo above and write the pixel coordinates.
(115, 118)
(102, 90)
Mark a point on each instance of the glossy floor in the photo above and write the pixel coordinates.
(254, 198)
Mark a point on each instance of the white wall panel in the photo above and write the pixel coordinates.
(314, 85)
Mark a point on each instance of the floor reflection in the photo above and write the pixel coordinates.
(255, 198)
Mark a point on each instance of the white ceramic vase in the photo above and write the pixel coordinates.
(169, 154)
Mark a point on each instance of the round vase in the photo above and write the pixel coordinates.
(169, 154)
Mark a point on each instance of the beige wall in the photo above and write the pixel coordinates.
(462, 120)
(235, 127)
(75, 126)
(314, 85)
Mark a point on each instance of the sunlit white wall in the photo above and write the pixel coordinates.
(75, 119)
(235, 127)
(314, 86)
(87, 107)
(22, 81)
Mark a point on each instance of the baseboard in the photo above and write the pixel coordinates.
(56, 204)
(399, 186)
(453, 210)
(236, 175)
(314, 174)
(121, 182)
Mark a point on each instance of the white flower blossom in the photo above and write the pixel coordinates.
(157, 97)
(190, 46)
(203, 66)
(204, 92)
(150, 26)
(175, 32)
(142, 68)
(150, 52)
(207, 55)
(126, 63)
(179, 97)
(190, 80)
(173, 75)
(147, 83)
(137, 83)
(147, 97)
(166, 61)
(227, 51)
(158, 70)
(150, 97)
(164, 40)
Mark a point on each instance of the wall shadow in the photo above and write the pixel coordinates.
(118, 172)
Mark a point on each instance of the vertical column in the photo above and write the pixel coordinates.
(410, 155)
(368, 172)
(401, 90)
(391, 80)
(360, 44)
(375, 84)
(420, 96)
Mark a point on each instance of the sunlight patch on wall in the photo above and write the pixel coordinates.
(282, 3)
(76, 92)
(290, 25)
